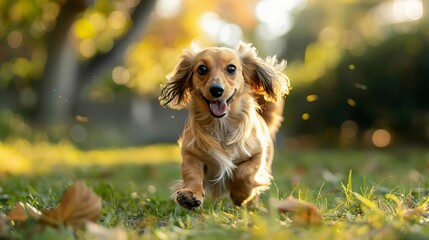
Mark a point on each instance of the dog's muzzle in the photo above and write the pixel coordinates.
(219, 107)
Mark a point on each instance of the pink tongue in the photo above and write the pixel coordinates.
(218, 108)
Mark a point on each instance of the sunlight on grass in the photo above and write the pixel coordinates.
(368, 194)
(23, 157)
(12, 161)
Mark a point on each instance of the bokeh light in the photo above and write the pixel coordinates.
(398, 11)
(50, 12)
(117, 20)
(84, 29)
(105, 42)
(22, 67)
(381, 138)
(98, 21)
(275, 16)
(312, 98)
(349, 129)
(120, 75)
(96, 31)
(168, 8)
(14, 39)
(330, 36)
(351, 102)
(219, 30)
(88, 48)
(305, 116)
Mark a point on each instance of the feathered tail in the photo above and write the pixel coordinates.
(272, 112)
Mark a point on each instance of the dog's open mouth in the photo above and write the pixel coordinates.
(219, 107)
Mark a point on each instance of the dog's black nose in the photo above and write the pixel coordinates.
(216, 90)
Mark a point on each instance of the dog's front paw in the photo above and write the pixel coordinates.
(189, 199)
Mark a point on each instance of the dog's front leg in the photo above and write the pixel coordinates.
(249, 176)
(190, 192)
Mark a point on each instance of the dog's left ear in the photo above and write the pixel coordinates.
(264, 77)
(176, 92)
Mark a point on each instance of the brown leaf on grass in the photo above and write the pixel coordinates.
(78, 204)
(408, 212)
(21, 212)
(412, 213)
(18, 213)
(304, 213)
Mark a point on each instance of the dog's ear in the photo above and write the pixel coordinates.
(175, 93)
(264, 77)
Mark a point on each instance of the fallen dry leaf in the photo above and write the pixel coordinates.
(406, 212)
(18, 213)
(21, 212)
(78, 204)
(303, 212)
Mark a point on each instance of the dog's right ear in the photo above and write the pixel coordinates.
(175, 93)
(265, 77)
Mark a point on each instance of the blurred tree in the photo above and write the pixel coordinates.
(359, 70)
(100, 38)
(356, 66)
(70, 46)
(90, 54)
(46, 41)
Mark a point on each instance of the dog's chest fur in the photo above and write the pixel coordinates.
(222, 143)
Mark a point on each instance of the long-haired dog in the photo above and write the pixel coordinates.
(235, 101)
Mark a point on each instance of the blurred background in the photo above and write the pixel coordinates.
(89, 71)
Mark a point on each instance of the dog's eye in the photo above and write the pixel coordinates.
(202, 70)
(231, 69)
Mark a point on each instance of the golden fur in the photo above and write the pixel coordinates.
(233, 152)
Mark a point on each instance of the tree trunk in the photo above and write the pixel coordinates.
(56, 86)
(65, 77)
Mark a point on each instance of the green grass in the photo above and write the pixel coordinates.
(361, 194)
